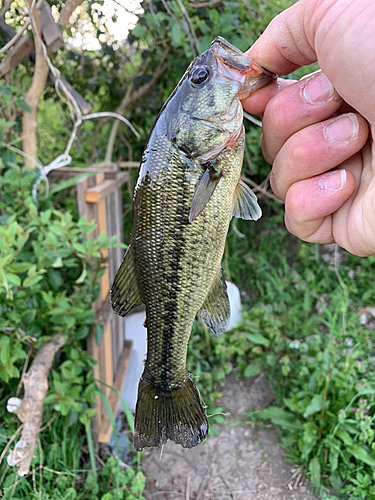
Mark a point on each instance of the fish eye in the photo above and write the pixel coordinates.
(199, 75)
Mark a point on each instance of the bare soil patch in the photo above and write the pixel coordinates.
(242, 463)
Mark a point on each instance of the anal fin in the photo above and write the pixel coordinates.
(176, 415)
(215, 312)
(246, 203)
(125, 294)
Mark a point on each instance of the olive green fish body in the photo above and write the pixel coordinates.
(187, 191)
(177, 260)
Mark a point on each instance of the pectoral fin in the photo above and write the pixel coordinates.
(203, 192)
(215, 312)
(125, 294)
(245, 203)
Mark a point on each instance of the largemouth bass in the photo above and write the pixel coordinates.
(187, 190)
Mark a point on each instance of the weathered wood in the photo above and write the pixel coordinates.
(8, 31)
(100, 199)
(129, 164)
(101, 191)
(83, 105)
(71, 172)
(16, 54)
(50, 30)
(105, 429)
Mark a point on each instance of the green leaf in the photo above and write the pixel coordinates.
(344, 436)
(309, 439)
(360, 453)
(58, 263)
(258, 339)
(176, 35)
(23, 105)
(314, 468)
(251, 370)
(333, 458)
(315, 405)
(13, 278)
(82, 276)
(4, 351)
(70, 182)
(31, 281)
(28, 316)
(99, 330)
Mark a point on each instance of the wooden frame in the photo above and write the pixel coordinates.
(100, 199)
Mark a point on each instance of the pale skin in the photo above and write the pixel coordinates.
(318, 133)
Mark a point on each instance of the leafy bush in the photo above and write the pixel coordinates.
(48, 281)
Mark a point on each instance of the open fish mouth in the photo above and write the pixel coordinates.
(235, 65)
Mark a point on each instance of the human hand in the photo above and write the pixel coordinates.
(319, 136)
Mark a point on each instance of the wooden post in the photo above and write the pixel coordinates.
(99, 199)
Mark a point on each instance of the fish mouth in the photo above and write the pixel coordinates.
(235, 65)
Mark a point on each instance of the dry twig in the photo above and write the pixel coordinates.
(29, 409)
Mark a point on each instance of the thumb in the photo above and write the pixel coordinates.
(339, 34)
(284, 46)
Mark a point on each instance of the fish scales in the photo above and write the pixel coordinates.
(187, 191)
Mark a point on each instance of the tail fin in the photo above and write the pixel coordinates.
(177, 415)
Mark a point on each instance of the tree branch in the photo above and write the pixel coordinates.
(32, 96)
(67, 11)
(29, 409)
(129, 98)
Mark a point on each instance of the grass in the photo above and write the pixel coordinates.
(301, 326)
(67, 467)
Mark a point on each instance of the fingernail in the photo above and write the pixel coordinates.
(342, 129)
(333, 181)
(317, 89)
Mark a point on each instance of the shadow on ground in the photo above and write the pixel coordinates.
(241, 463)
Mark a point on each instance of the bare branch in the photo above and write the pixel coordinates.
(32, 96)
(29, 409)
(203, 4)
(11, 42)
(192, 32)
(257, 187)
(4, 9)
(67, 11)
(129, 98)
(134, 96)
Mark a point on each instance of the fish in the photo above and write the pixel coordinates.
(187, 191)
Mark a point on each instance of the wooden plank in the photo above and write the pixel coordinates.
(105, 429)
(102, 223)
(50, 30)
(104, 314)
(16, 54)
(82, 185)
(70, 172)
(101, 191)
(93, 350)
(129, 164)
(107, 349)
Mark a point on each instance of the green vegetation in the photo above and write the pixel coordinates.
(48, 282)
(301, 327)
(301, 323)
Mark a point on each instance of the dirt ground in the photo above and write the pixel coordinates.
(241, 463)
